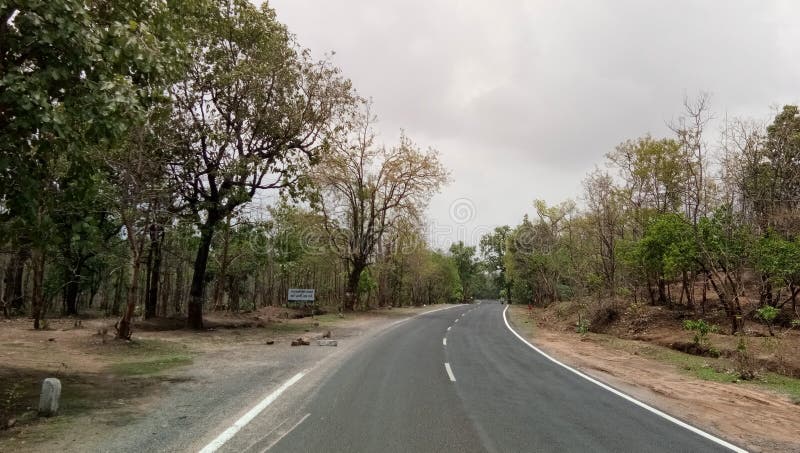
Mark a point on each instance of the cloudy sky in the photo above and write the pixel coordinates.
(523, 97)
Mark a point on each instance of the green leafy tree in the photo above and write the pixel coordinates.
(74, 75)
(667, 249)
(778, 262)
(249, 115)
(493, 249)
(724, 246)
(464, 258)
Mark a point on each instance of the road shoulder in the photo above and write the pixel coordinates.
(753, 418)
(117, 399)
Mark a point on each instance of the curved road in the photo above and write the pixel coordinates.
(459, 380)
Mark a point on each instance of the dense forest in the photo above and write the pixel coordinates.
(169, 158)
(698, 221)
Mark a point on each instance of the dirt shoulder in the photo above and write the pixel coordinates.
(744, 413)
(166, 386)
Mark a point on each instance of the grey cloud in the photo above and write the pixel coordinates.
(544, 88)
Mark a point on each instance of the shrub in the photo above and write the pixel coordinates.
(701, 330)
(768, 314)
(746, 366)
(582, 326)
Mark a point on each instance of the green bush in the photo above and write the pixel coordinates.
(767, 314)
(701, 330)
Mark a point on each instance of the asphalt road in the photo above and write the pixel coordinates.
(459, 380)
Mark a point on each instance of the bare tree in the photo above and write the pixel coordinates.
(690, 129)
(605, 211)
(362, 189)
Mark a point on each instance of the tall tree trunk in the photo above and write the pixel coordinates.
(164, 296)
(154, 271)
(37, 297)
(234, 294)
(71, 290)
(221, 277)
(177, 301)
(688, 290)
(766, 291)
(352, 285)
(117, 294)
(124, 326)
(195, 306)
(148, 274)
(13, 294)
(663, 298)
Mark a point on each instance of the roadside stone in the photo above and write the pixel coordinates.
(301, 342)
(326, 334)
(327, 343)
(48, 399)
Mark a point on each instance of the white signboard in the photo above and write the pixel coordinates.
(301, 294)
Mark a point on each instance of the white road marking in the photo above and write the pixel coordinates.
(456, 320)
(250, 448)
(226, 435)
(397, 323)
(448, 329)
(633, 400)
(250, 415)
(287, 432)
(444, 341)
(449, 372)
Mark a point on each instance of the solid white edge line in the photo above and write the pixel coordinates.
(286, 433)
(631, 399)
(250, 415)
(444, 341)
(449, 372)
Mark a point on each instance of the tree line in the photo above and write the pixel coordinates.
(140, 140)
(686, 221)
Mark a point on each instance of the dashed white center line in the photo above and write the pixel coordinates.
(456, 320)
(444, 341)
(449, 372)
(448, 329)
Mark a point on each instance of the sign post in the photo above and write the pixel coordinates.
(303, 297)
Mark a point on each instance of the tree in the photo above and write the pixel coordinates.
(493, 248)
(140, 195)
(250, 115)
(464, 258)
(724, 246)
(667, 249)
(771, 174)
(778, 260)
(363, 190)
(605, 212)
(73, 77)
(652, 171)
